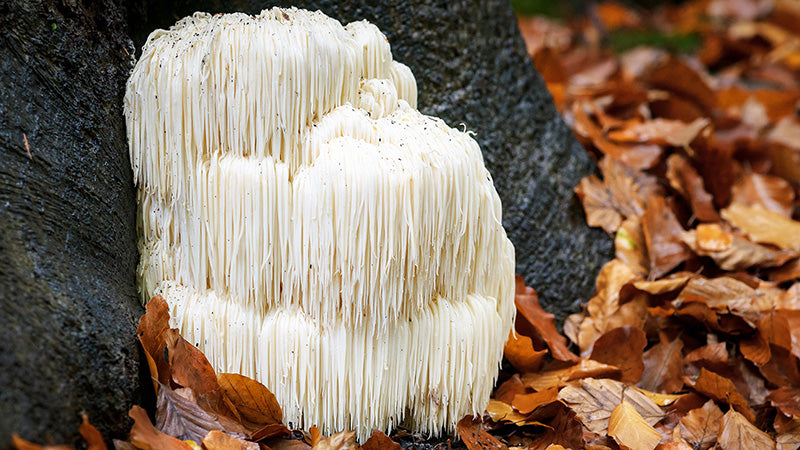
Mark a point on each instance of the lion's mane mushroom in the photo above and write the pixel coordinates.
(310, 228)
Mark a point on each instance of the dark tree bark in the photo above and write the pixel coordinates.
(68, 304)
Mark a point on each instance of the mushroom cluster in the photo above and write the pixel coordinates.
(310, 228)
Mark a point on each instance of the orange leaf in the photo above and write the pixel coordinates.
(379, 441)
(771, 192)
(527, 302)
(765, 226)
(152, 329)
(787, 400)
(519, 351)
(622, 347)
(252, 399)
(475, 437)
(92, 436)
(218, 440)
(628, 428)
(146, 437)
(526, 403)
(662, 232)
(22, 444)
(722, 389)
(341, 440)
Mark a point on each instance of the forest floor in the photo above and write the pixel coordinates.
(692, 339)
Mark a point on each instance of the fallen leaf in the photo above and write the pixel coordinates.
(475, 437)
(526, 403)
(725, 293)
(189, 366)
(218, 440)
(509, 389)
(593, 400)
(737, 432)
(503, 412)
(663, 365)
(685, 179)
(664, 285)
(771, 192)
(586, 368)
(628, 428)
(622, 347)
(675, 76)
(562, 430)
(178, 415)
(341, 440)
(788, 432)
(765, 226)
(90, 434)
(662, 234)
(721, 389)
(527, 302)
(732, 252)
(153, 326)
(145, 436)
(700, 427)
(519, 351)
(661, 132)
(254, 402)
(380, 441)
(787, 400)
(787, 272)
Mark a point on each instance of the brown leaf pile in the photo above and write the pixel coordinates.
(692, 339)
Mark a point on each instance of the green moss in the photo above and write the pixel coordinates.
(626, 39)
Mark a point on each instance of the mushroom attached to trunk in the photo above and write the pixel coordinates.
(310, 228)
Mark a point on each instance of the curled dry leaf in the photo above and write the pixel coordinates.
(630, 246)
(254, 402)
(503, 412)
(622, 347)
(145, 436)
(765, 226)
(380, 441)
(527, 302)
(509, 389)
(90, 434)
(685, 179)
(22, 444)
(519, 351)
(731, 252)
(725, 293)
(628, 428)
(660, 131)
(598, 204)
(787, 400)
(662, 233)
(788, 433)
(721, 389)
(475, 437)
(218, 440)
(178, 415)
(153, 326)
(586, 368)
(663, 367)
(526, 403)
(593, 400)
(339, 441)
(771, 192)
(700, 427)
(736, 432)
(562, 430)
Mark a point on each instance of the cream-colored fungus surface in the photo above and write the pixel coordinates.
(310, 228)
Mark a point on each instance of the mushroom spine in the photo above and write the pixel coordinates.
(310, 228)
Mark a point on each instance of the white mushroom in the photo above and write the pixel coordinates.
(310, 228)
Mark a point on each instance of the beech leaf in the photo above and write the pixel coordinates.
(722, 389)
(700, 427)
(622, 347)
(218, 440)
(475, 437)
(145, 436)
(765, 226)
(380, 441)
(663, 367)
(628, 428)
(252, 399)
(737, 432)
(178, 415)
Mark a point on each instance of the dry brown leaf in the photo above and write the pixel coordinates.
(675, 76)
(663, 367)
(700, 427)
(728, 293)
(341, 440)
(503, 412)
(543, 322)
(90, 434)
(787, 400)
(178, 415)
(519, 351)
(254, 402)
(787, 272)
(380, 441)
(593, 400)
(475, 437)
(562, 430)
(218, 440)
(721, 389)
(664, 285)
(509, 389)
(685, 179)
(628, 428)
(771, 192)
(145, 436)
(788, 432)
(598, 204)
(526, 403)
(660, 131)
(765, 226)
(622, 347)
(662, 233)
(736, 432)
(586, 368)
(153, 326)
(731, 252)
(189, 366)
